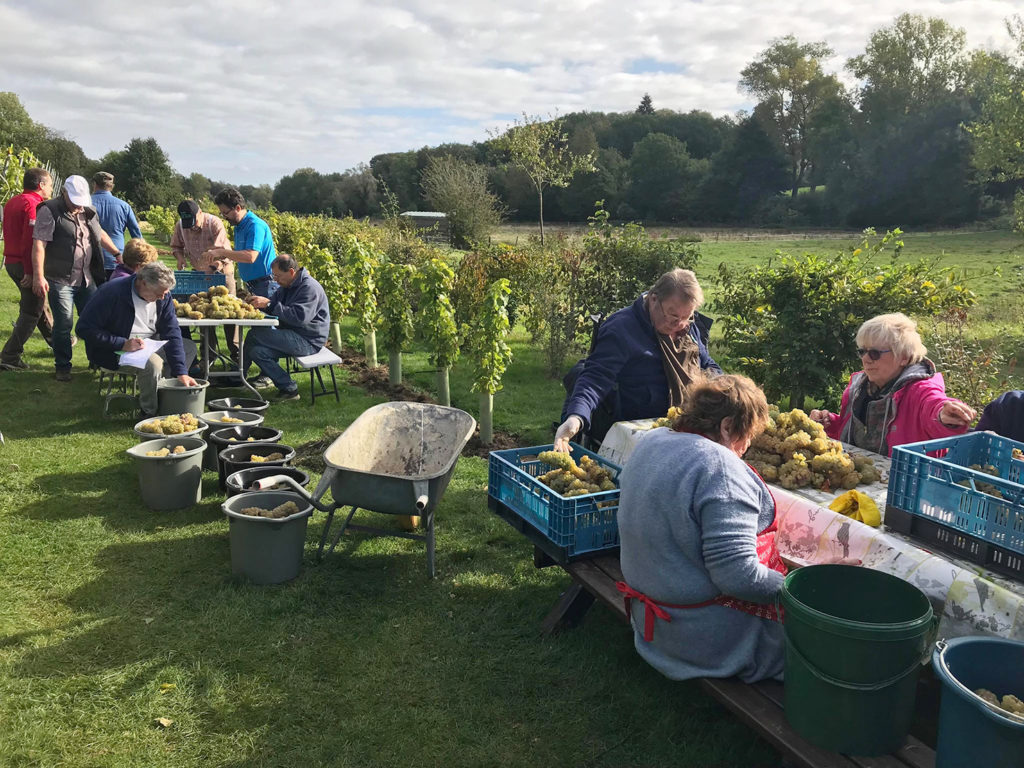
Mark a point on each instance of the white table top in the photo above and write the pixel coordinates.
(267, 322)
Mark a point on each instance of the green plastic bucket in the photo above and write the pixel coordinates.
(855, 642)
(174, 481)
(174, 397)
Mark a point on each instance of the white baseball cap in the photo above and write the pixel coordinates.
(78, 190)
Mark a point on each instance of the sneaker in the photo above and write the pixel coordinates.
(261, 382)
(13, 365)
(285, 395)
(62, 375)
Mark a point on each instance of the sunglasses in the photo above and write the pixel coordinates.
(874, 354)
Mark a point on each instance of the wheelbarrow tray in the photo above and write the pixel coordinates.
(395, 454)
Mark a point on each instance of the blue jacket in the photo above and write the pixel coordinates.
(106, 323)
(1005, 415)
(626, 354)
(302, 307)
(115, 217)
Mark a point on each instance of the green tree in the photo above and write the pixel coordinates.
(393, 284)
(909, 66)
(16, 127)
(664, 179)
(788, 80)
(541, 150)
(491, 352)
(435, 282)
(143, 174)
(748, 169)
(646, 106)
(196, 186)
(998, 132)
(459, 189)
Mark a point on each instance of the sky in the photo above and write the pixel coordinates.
(247, 91)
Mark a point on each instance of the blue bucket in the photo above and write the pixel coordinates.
(970, 734)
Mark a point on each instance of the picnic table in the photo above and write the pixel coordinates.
(207, 329)
(969, 599)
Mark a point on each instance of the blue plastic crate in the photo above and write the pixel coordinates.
(189, 281)
(576, 525)
(933, 487)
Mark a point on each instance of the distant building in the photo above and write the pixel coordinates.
(432, 226)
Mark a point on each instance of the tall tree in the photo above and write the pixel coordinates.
(909, 66)
(541, 150)
(788, 80)
(143, 174)
(664, 179)
(459, 189)
(749, 168)
(646, 105)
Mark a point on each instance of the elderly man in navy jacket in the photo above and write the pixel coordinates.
(304, 319)
(642, 359)
(125, 312)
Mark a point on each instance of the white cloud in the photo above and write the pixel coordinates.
(249, 90)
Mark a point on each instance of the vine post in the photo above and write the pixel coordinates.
(437, 321)
(395, 314)
(491, 351)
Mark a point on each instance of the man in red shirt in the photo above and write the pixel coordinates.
(19, 221)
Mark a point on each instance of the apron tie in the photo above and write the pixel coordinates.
(651, 608)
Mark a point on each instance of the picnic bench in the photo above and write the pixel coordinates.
(760, 705)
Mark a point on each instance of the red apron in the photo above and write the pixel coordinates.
(767, 555)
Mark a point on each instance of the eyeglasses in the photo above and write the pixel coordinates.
(674, 319)
(874, 354)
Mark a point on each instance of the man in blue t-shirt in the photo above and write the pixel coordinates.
(254, 244)
(115, 217)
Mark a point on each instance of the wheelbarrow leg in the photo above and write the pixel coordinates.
(337, 536)
(430, 544)
(323, 536)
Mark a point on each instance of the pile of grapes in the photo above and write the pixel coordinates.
(571, 479)
(794, 451)
(175, 424)
(216, 304)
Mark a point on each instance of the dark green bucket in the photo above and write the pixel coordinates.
(855, 641)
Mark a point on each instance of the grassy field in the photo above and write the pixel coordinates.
(114, 616)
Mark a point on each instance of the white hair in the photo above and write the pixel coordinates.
(895, 331)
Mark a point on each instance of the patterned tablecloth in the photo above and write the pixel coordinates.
(970, 599)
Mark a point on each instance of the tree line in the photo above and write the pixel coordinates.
(925, 138)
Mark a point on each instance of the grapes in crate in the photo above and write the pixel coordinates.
(571, 479)
(216, 304)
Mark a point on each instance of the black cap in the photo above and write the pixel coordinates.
(188, 209)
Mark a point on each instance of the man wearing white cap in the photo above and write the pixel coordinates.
(67, 260)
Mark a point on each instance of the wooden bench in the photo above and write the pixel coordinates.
(759, 705)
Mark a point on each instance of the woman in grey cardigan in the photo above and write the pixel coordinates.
(697, 528)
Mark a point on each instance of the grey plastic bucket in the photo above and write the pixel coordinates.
(250, 404)
(174, 481)
(264, 550)
(242, 480)
(222, 438)
(213, 420)
(157, 436)
(174, 397)
(236, 458)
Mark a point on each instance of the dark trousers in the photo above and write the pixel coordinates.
(33, 313)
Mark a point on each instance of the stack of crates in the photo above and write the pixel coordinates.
(940, 494)
(571, 527)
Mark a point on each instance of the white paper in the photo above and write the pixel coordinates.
(140, 357)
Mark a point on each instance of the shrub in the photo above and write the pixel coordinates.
(790, 324)
(163, 221)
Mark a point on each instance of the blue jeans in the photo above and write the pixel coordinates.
(265, 346)
(64, 299)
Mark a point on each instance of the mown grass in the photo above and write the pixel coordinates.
(113, 616)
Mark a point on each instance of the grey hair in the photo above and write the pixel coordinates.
(157, 275)
(681, 283)
(897, 332)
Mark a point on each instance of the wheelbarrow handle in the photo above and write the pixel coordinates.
(269, 482)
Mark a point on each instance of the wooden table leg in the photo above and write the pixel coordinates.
(569, 611)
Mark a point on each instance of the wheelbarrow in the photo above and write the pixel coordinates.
(395, 459)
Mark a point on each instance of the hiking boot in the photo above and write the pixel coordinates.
(285, 395)
(261, 382)
(62, 375)
(13, 365)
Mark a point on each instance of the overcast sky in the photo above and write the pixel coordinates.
(247, 91)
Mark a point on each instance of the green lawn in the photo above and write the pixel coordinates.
(114, 616)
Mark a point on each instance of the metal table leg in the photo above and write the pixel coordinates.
(241, 364)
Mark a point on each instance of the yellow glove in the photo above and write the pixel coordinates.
(857, 506)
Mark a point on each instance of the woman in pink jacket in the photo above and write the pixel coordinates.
(898, 398)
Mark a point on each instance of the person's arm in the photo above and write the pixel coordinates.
(298, 312)
(178, 246)
(728, 509)
(219, 254)
(168, 329)
(707, 363)
(92, 326)
(108, 244)
(39, 283)
(133, 224)
(599, 374)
